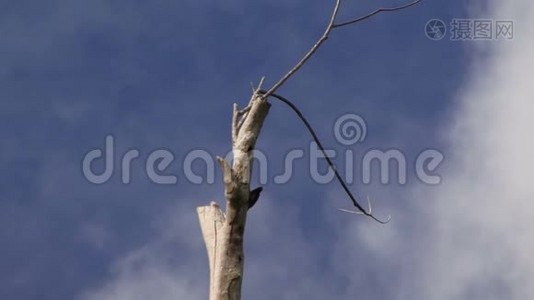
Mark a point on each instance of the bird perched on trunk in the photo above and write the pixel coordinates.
(254, 196)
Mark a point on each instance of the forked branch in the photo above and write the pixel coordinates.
(377, 11)
(309, 54)
(331, 25)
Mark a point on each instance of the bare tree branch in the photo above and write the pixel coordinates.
(382, 9)
(329, 161)
(324, 37)
(235, 123)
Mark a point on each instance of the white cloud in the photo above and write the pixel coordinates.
(167, 267)
(475, 242)
(148, 283)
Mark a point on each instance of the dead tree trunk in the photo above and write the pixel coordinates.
(223, 233)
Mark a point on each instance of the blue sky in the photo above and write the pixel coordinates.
(165, 75)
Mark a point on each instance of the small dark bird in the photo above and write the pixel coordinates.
(254, 196)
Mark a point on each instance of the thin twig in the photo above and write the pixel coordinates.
(255, 90)
(369, 211)
(244, 113)
(235, 120)
(382, 9)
